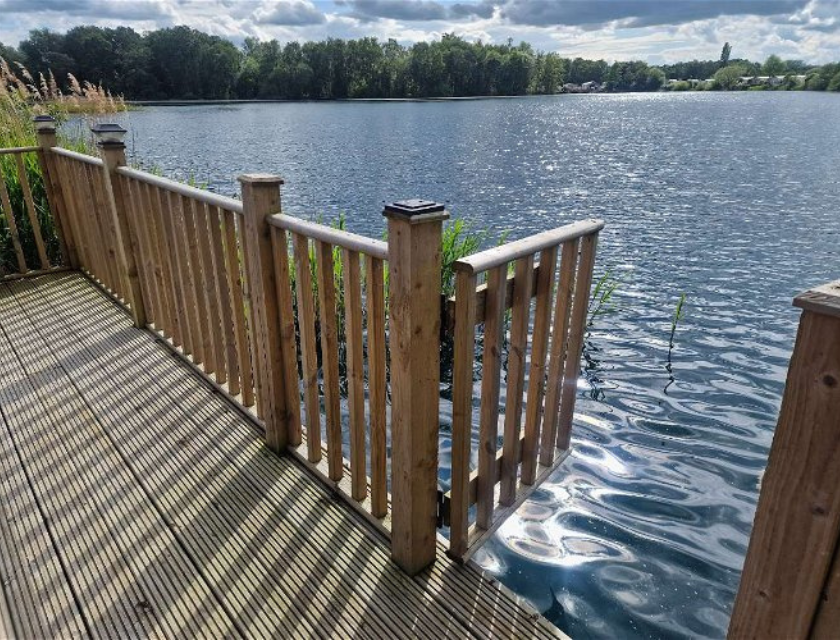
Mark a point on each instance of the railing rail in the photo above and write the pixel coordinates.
(179, 188)
(554, 330)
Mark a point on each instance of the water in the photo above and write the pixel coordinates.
(731, 199)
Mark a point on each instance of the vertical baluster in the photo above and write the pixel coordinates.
(211, 296)
(329, 357)
(108, 232)
(355, 372)
(285, 304)
(520, 320)
(490, 388)
(462, 410)
(558, 350)
(13, 229)
(309, 358)
(97, 232)
(139, 223)
(168, 253)
(378, 386)
(228, 329)
(30, 210)
(159, 255)
(234, 273)
(195, 304)
(536, 374)
(249, 317)
(70, 194)
(577, 330)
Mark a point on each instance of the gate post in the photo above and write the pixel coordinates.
(790, 587)
(414, 260)
(46, 136)
(260, 200)
(109, 140)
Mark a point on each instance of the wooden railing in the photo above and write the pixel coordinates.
(26, 247)
(314, 251)
(544, 344)
(285, 317)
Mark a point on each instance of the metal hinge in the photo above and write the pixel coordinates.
(443, 509)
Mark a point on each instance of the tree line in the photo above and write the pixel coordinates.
(182, 63)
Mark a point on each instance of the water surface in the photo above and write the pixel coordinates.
(731, 199)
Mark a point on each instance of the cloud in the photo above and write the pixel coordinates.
(291, 13)
(417, 10)
(638, 13)
(93, 9)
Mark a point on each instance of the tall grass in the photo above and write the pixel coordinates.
(22, 97)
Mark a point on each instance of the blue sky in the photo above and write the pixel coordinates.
(654, 30)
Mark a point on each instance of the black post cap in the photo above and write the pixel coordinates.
(413, 207)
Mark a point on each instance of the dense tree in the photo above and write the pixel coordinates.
(725, 54)
(774, 66)
(728, 77)
(182, 63)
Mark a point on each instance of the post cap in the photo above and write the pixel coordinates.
(108, 134)
(416, 210)
(44, 123)
(260, 178)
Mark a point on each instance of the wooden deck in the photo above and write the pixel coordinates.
(137, 502)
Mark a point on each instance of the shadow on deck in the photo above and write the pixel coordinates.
(137, 502)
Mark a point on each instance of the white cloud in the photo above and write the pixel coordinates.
(610, 29)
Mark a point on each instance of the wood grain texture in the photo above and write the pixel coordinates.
(29, 202)
(520, 323)
(354, 337)
(797, 523)
(544, 286)
(11, 220)
(233, 268)
(462, 411)
(559, 342)
(378, 385)
(329, 358)
(308, 346)
(491, 368)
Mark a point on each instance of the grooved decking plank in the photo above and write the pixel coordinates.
(282, 556)
(36, 598)
(335, 567)
(124, 563)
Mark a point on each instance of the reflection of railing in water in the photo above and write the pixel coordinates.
(253, 300)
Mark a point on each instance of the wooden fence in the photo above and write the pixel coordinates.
(331, 341)
(544, 345)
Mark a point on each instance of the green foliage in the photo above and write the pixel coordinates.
(679, 315)
(774, 66)
(458, 242)
(728, 77)
(725, 54)
(601, 303)
(634, 76)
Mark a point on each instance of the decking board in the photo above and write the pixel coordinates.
(268, 550)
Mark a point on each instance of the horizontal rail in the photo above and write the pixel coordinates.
(497, 256)
(181, 189)
(336, 237)
(81, 157)
(10, 150)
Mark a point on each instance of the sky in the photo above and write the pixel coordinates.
(657, 31)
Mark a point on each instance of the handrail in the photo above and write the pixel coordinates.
(81, 157)
(497, 256)
(11, 150)
(207, 197)
(336, 237)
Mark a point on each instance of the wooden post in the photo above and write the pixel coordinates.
(414, 258)
(109, 140)
(45, 133)
(281, 405)
(788, 582)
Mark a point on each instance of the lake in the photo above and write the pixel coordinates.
(730, 199)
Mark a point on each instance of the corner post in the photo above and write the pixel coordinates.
(790, 586)
(46, 136)
(109, 141)
(260, 200)
(414, 259)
